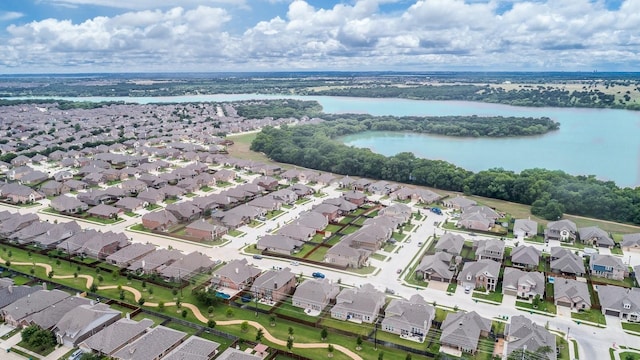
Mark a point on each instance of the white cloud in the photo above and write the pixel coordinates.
(10, 15)
(145, 4)
(426, 34)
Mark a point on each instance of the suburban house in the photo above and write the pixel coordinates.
(523, 284)
(115, 336)
(489, 249)
(82, 322)
(274, 285)
(297, 232)
(630, 242)
(19, 194)
(10, 293)
(236, 274)
(565, 261)
(420, 195)
(52, 188)
(184, 211)
(450, 243)
(361, 304)
(525, 228)
(154, 344)
(187, 267)
(154, 260)
(356, 197)
(330, 212)
(30, 304)
(315, 294)
(595, 236)
(475, 221)
(103, 244)
(408, 318)
(437, 267)
(233, 354)
(48, 317)
(481, 274)
(279, 244)
(462, 331)
(195, 348)
(344, 206)
(128, 254)
(16, 222)
(527, 257)
(620, 302)
(131, 204)
(562, 230)
(572, 294)
(159, 220)
(608, 266)
(399, 211)
(525, 335)
(203, 230)
(342, 254)
(105, 211)
(458, 202)
(68, 205)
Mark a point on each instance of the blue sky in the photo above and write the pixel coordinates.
(39, 36)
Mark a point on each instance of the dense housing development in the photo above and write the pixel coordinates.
(130, 231)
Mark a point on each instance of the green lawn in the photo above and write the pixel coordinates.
(627, 355)
(363, 329)
(631, 326)
(273, 214)
(452, 287)
(156, 319)
(389, 247)
(593, 316)
(544, 306)
(365, 270)
(334, 239)
(379, 257)
(332, 228)
(562, 345)
(152, 207)
(44, 351)
(235, 233)
(319, 254)
(306, 249)
(286, 308)
(627, 282)
(349, 230)
(491, 296)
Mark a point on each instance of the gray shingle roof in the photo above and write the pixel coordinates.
(463, 329)
(116, 335)
(528, 335)
(194, 348)
(151, 345)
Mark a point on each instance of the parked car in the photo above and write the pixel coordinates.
(398, 271)
(467, 289)
(295, 263)
(318, 275)
(257, 257)
(389, 291)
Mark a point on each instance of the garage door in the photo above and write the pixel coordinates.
(512, 292)
(612, 313)
(563, 303)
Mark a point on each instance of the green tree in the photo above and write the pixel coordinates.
(289, 343)
(359, 343)
(290, 330)
(381, 356)
(324, 333)
(330, 349)
(211, 323)
(229, 312)
(244, 326)
(259, 335)
(184, 313)
(141, 301)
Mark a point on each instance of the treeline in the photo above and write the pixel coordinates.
(463, 126)
(61, 104)
(278, 109)
(551, 192)
(536, 97)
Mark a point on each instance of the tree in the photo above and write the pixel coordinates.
(211, 323)
(121, 294)
(210, 310)
(141, 301)
(178, 303)
(272, 320)
(324, 333)
(259, 335)
(290, 332)
(289, 344)
(359, 343)
(144, 284)
(93, 288)
(244, 326)
(229, 312)
(75, 275)
(408, 357)
(50, 274)
(381, 356)
(330, 349)
(161, 306)
(184, 313)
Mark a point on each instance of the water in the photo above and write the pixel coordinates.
(600, 142)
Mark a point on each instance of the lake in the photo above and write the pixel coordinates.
(601, 142)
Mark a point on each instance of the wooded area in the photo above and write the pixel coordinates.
(551, 192)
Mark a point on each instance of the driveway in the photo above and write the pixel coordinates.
(438, 285)
(564, 312)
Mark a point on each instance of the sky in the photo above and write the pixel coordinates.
(79, 36)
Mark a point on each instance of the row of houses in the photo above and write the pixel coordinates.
(95, 327)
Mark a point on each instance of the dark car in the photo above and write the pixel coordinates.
(258, 257)
(318, 275)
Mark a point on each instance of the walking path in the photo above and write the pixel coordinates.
(137, 295)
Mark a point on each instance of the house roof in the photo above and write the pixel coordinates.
(11, 293)
(607, 261)
(566, 261)
(155, 259)
(438, 264)
(151, 345)
(34, 302)
(414, 313)
(525, 225)
(313, 220)
(450, 242)
(130, 253)
(84, 319)
(279, 242)
(528, 255)
(528, 335)
(631, 240)
(572, 289)
(487, 267)
(163, 217)
(316, 291)
(460, 201)
(49, 316)
(187, 265)
(363, 300)
(618, 298)
(600, 236)
(238, 271)
(104, 210)
(194, 348)
(513, 278)
(297, 232)
(562, 225)
(463, 329)
(273, 279)
(65, 203)
(233, 354)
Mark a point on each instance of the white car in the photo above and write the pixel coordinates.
(467, 289)
(295, 263)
